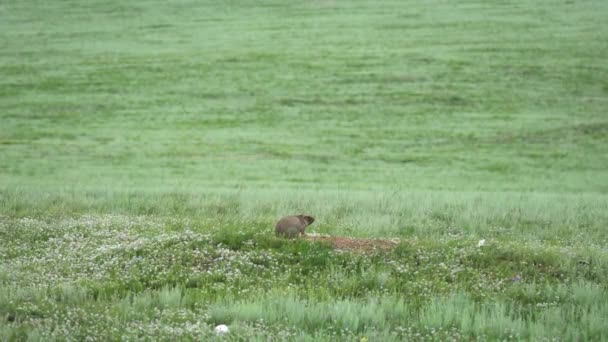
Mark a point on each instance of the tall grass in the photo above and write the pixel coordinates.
(457, 316)
(577, 218)
(105, 275)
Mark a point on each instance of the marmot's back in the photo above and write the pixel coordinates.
(293, 226)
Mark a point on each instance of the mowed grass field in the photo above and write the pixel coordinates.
(148, 147)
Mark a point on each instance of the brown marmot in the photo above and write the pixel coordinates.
(293, 226)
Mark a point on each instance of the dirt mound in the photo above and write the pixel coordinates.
(356, 245)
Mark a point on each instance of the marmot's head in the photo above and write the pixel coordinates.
(307, 220)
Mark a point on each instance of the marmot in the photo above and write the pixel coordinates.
(292, 226)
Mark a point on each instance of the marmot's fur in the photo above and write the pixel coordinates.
(293, 226)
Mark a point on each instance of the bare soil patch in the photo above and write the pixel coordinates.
(356, 245)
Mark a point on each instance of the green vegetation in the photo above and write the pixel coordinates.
(148, 147)
(111, 276)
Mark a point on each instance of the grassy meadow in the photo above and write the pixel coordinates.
(148, 147)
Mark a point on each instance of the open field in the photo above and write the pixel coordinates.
(148, 147)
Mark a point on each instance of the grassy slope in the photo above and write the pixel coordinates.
(438, 122)
(431, 95)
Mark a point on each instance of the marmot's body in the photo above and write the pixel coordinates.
(293, 226)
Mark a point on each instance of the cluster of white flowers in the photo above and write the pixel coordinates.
(61, 266)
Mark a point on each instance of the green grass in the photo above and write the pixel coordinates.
(148, 147)
(579, 219)
(177, 278)
(429, 95)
